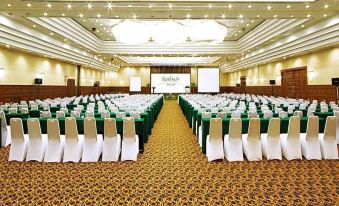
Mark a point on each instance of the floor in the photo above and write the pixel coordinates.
(171, 171)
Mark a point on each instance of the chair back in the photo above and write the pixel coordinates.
(90, 128)
(24, 110)
(53, 129)
(121, 115)
(222, 115)
(215, 129)
(294, 127)
(298, 113)
(236, 114)
(46, 114)
(65, 110)
(330, 128)
(110, 128)
(134, 114)
(206, 115)
(283, 114)
(235, 128)
(75, 114)
(71, 129)
(60, 114)
(254, 128)
(17, 130)
(274, 128)
(252, 115)
(13, 110)
(3, 119)
(34, 130)
(105, 114)
(312, 127)
(89, 114)
(128, 127)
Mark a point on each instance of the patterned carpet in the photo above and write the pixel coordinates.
(171, 171)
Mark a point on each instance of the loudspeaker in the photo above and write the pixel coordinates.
(37, 81)
(238, 85)
(272, 82)
(335, 81)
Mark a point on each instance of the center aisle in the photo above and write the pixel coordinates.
(171, 171)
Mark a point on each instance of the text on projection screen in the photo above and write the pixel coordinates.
(135, 84)
(170, 83)
(208, 80)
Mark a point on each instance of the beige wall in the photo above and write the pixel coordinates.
(20, 68)
(321, 67)
(121, 78)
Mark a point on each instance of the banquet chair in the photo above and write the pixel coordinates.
(252, 115)
(73, 141)
(214, 143)
(105, 114)
(89, 114)
(55, 142)
(37, 142)
(5, 131)
(268, 114)
(130, 141)
(270, 142)
(236, 114)
(310, 146)
(34, 107)
(324, 109)
(222, 115)
(13, 110)
(60, 114)
(203, 115)
(232, 141)
(283, 114)
(112, 141)
(251, 141)
(336, 114)
(92, 147)
(45, 114)
(24, 110)
(75, 114)
(18, 148)
(65, 110)
(120, 115)
(328, 145)
(135, 115)
(298, 113)
(290, 142)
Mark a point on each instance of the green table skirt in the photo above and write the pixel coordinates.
(139, 127)
(263, 127)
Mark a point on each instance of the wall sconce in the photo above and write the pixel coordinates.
(311, 75)
(2, 73)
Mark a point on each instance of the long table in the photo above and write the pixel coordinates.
(263, 126)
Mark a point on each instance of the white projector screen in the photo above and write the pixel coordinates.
(135, 84)
(170, 83)
(208, 80)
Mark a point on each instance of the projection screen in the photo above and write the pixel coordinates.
(170, 83)
(208, 80)
(135, 84)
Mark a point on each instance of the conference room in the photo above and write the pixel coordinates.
(181, 102)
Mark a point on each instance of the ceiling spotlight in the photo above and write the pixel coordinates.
(275, 16)
(209, 5)
(134, 16)
(51, 33)
(188, 16)
(89, 6)
(302, 26)
(249, 6)
(129, 5)
(308, 15)
(288, 6)
(258, 16)
(34, 25)
(9, 5)
(7, 46)
(150, 6)
(45, 14)
(81, 15)
(230, 6)
(170, 6)
(223, 16)
(109, 6)
(269, 7)
(241, 16)
(69, 6)
(29, 4)
(326, 6)
(49, 5)
(99, 15)
(63, 14)
(325, 15)
(307, 6)
(116, 16)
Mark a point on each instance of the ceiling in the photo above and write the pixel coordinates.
(111, 34)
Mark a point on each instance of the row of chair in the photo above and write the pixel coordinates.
(272, 145)
(73, 147)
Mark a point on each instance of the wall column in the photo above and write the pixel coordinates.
(78, 80)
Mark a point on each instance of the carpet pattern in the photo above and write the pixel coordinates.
(171, 171)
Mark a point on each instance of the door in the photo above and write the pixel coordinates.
(294, 82)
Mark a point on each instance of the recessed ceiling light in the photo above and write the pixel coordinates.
(81, 15)
(34, 25)
(252, 21)
(275, 16)
(307, 6)
(29, 4)
(99, 15)
(150, 6)
(241, 16)
(63, 14)
(258, 16)
(109, 6)
(188, 16)
(9, 5)
(308, 15)
(230, 6)
(209, 5)
(69, 6)
(205, 15)
(325, 15)
(242, 21)
(65, 39)
(292, 16)
(249, 6)
(134, 16)
(7, 46)
(129, 5)
(269, 7)
(51, 33)
(89, 6)
(326, 6)
(170, 6)
(45, 14)
(302, 26)
(49, 5)
(116, 16)
(223, 16)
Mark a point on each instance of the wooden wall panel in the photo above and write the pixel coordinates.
(170, 69)
(321, 92)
